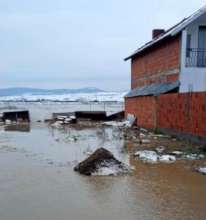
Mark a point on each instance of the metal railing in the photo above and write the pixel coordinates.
(195, 57)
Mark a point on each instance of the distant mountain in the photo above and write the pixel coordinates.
(34, 91)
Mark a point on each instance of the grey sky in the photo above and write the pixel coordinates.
(56, 44)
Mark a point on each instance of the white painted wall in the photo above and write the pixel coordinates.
(192, 78)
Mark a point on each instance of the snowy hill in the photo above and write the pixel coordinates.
(80, 95)
(35, 91)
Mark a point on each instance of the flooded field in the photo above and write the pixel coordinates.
(37, 180)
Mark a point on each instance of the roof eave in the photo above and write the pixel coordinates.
(174, 32)
(128, 58)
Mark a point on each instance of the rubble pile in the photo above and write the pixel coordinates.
(101, 162)
(59, 121)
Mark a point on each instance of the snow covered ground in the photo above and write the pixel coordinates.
(202, 170)
(82, 97)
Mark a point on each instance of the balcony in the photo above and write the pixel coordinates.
(196, 57)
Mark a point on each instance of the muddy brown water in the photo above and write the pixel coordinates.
(37, 179)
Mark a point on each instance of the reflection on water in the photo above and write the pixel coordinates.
(18, 127)
(37, 180)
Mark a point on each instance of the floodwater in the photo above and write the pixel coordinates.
(37, 180)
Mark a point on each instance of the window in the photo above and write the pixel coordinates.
(188, 45)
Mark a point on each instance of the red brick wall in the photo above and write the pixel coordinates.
(181, 112)
(144, 108)
(158, 64)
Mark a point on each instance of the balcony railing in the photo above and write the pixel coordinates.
(195, 57)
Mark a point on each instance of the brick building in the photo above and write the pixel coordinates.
(168, 78)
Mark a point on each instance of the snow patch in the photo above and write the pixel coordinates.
(167, 158)
(160, 149)
(112, 170)
(152, 157)
(177, 153)
(202, 170)
(195, 156)
(148, 156)
(118, 123)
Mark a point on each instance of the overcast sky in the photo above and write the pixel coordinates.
(81, 43)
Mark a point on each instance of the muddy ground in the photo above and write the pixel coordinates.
(37, 180)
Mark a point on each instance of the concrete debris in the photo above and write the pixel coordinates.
(63, 120)
(142, 135)
(118, 123)
(160, 149)
(8, 122)
(92, 115)
(101, 162)
(116, 116)
(16, 116)
(57, 124)
(55, 116)
(145, 141)
(132, 120)
(132, 134)
(160, 136)
(177, 153)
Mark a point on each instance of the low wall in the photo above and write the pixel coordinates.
(179, 112)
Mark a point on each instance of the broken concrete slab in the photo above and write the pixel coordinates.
(92, 115)
(132, 120)
(101, 160)
(16, 116)
(116, 116)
